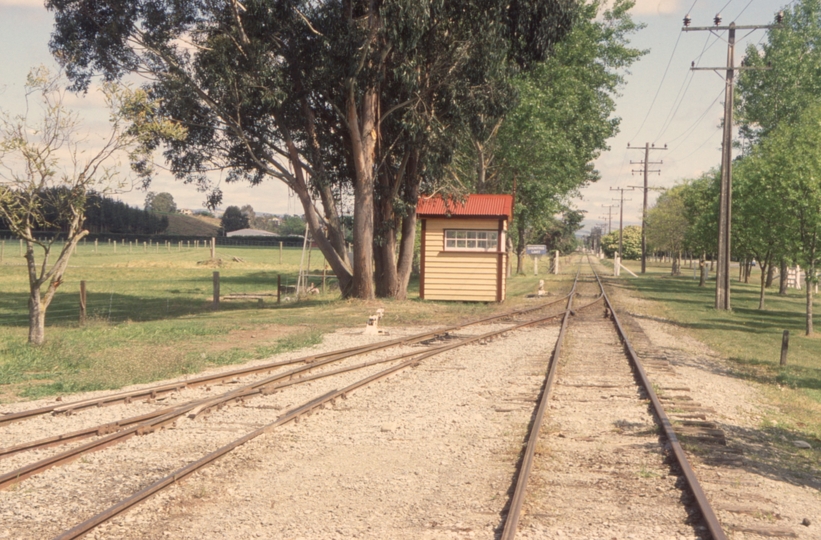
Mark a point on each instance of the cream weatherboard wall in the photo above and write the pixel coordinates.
(475, 276)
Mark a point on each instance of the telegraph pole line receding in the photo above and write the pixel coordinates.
(645, 169)
(621, 214)
(610, 208)
(725, 200)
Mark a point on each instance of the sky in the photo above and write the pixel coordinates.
(663, 102)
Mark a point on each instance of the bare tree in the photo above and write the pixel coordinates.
(48, 168)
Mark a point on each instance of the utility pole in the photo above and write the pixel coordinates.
(644, 169)
(621, 213)
(610, 208)
(725, 201)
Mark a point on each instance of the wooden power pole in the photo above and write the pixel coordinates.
(610, 208)
(725, 201)
(621, 213)
(646, 170)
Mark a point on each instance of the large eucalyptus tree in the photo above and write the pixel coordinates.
(341, 100)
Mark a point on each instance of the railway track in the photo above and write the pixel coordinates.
(582, 488)
(582, 308)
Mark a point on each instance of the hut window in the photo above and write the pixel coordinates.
(471, 240)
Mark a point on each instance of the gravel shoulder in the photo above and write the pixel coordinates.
(751, 481)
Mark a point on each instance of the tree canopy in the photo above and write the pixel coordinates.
(343, 101)
(233, 219)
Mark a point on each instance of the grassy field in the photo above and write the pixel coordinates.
(150, 315)
(749, 337)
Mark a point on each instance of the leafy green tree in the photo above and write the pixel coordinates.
(667, 224)
(787, 163)
(560, 234)
(765, 98)
(700, 198)
(544, 148)
(631, 243)
(233, 219)
(339, 99)
(292, 226)
(47, 171)
(162, 203)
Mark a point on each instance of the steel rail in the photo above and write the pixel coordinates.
(293, 414)
(154, 391)
(517, 501)
(707, 512)
(117, 432)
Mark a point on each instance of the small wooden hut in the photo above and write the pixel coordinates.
(463, 253)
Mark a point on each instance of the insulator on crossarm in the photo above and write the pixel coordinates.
(779, 17)
(717, 19)
(687, 20)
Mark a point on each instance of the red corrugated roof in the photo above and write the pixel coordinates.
(475, 206)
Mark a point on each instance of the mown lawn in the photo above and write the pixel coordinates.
(150, 315)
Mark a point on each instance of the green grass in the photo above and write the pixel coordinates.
(749, 337)
(150, 315)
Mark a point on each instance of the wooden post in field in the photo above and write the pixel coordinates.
(213, 248)
(2, 249)
(145, 247)
(324, 273)
(21, 248)
(179, 245)
(95, 245)
(216, 290)
(280, 253)
(785, 344)
(115, 246)
(279, 287)
(82, 303)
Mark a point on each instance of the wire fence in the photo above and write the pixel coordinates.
(159, 281)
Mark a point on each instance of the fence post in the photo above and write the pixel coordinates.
(324, 273)
(82, 303)
(280, 253)
(95, 245)
(279, 287)
(115, 246)
(21, 248)
(213, 248)
(785, 344)
(216, 290)
(2, 249)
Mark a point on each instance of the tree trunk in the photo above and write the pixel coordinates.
(37, 319)
(362, 133)
(520, 252)
(702, 269)
(782, 279)
(770, 275)
(408, 241)
(764, 276)
(337, 263)
(384, 249)
(809, 280)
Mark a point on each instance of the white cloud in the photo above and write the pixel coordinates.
(657, 7)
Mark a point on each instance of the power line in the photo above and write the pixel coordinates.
(689, 131)
(661, 83)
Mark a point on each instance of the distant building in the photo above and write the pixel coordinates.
(187, 212)
(250, 232)
(275, 221)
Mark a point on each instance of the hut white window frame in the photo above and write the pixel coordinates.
(454, 237)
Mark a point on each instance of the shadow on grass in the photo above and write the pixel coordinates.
(770, 452)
